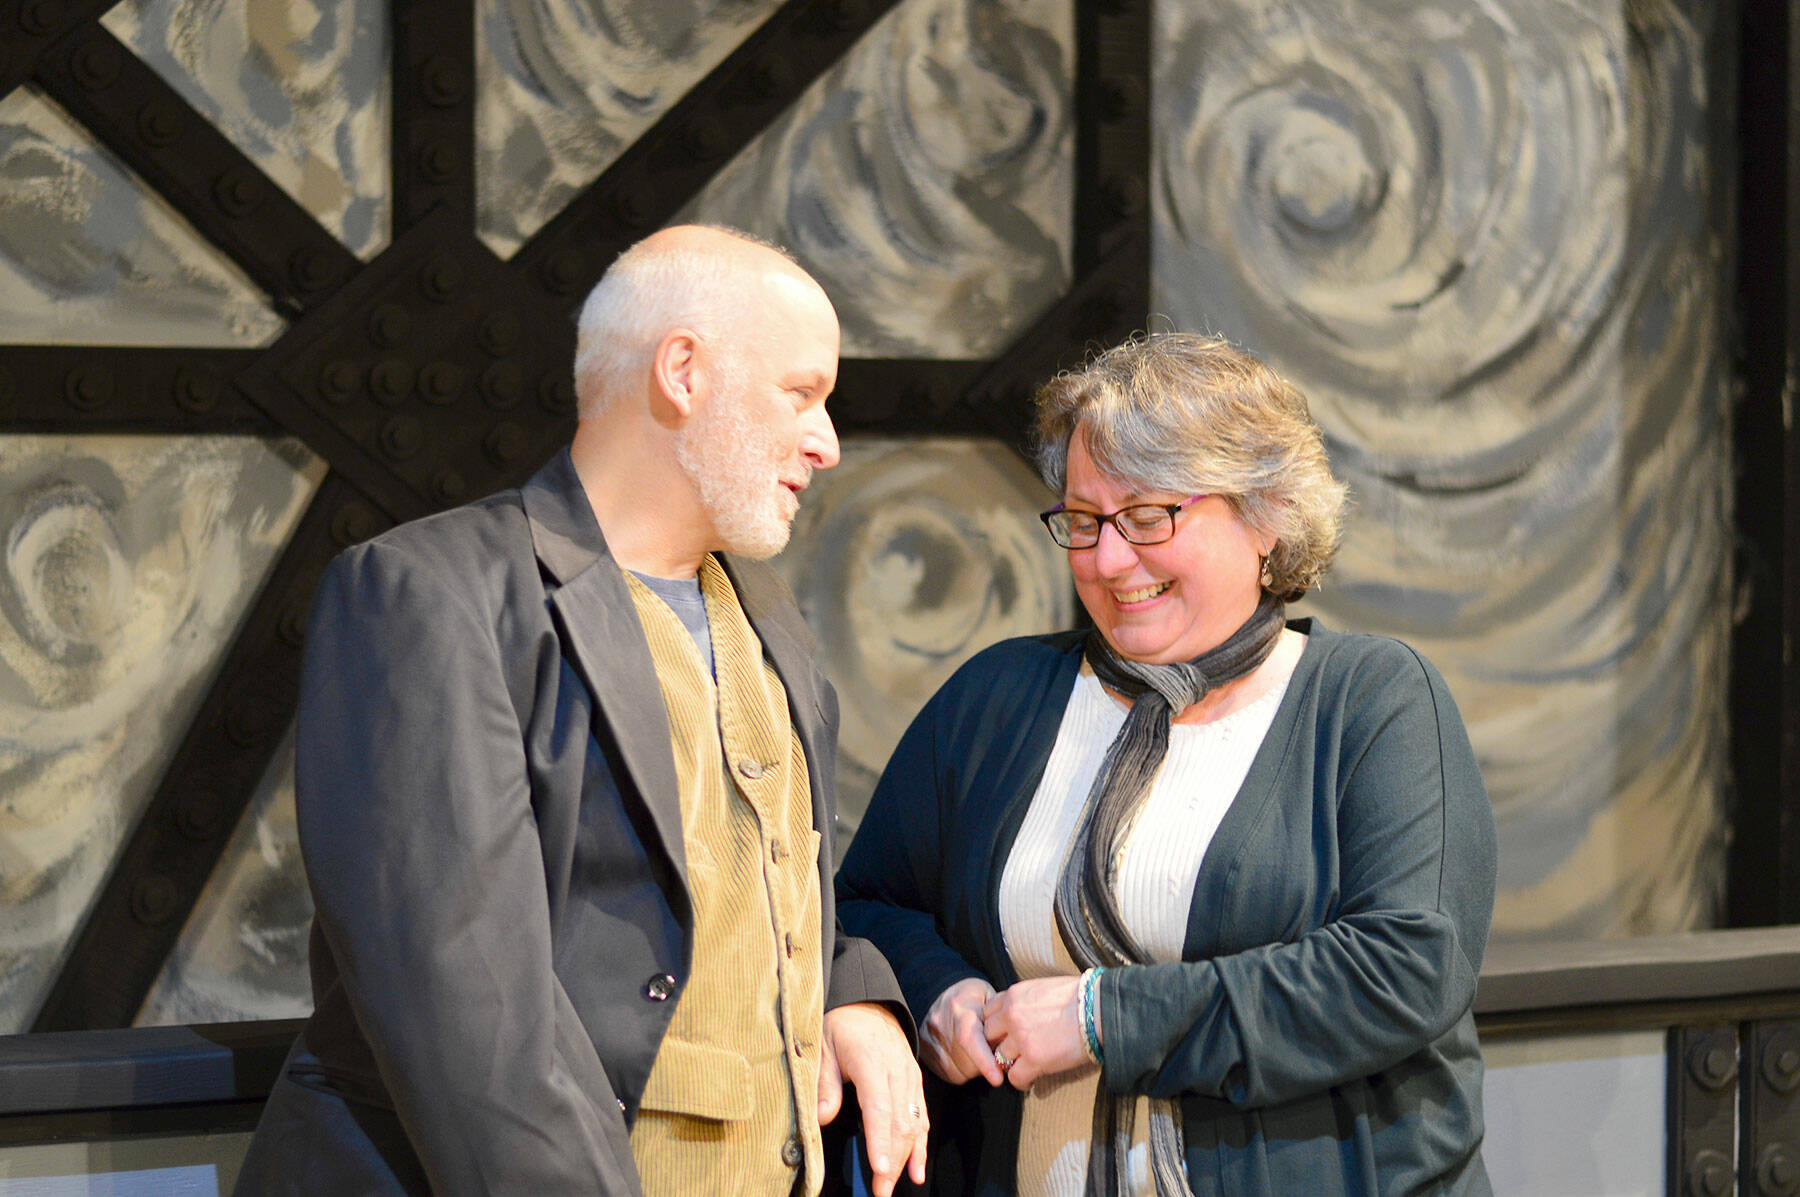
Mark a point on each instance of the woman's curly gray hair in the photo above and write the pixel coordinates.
(1192, 414)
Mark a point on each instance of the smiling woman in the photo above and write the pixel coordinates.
(1056, 859)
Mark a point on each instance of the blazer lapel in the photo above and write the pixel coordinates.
(599, 627)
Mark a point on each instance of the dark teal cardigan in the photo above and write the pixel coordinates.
(1318, 1029)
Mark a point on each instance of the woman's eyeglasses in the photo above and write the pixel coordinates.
(1141, 523)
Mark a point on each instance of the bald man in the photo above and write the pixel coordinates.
(564, 796)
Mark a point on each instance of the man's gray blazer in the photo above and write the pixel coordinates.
(488, 814)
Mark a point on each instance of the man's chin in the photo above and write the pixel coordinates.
(760, 544)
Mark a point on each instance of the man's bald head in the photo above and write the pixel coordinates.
(686, 276)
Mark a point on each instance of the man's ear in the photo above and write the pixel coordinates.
(674, 370)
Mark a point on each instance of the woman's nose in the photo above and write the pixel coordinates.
(1113, 554)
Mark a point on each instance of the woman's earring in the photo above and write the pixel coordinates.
(1268, 579)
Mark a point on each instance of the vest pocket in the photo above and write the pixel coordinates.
(699, 1081)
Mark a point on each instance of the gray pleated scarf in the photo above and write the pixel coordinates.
(1087, 909)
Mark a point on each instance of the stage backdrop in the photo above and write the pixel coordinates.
(1490, 241)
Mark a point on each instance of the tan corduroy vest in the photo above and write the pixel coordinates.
(731, 1102)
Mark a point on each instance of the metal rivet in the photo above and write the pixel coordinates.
(197, 815)
(1777, 1171)
(845, 15)
(1122, 195)
(339, 380)
(196, 390)
(1781, 1061)
(291, 627)
(705, 138)
(402, 436)
(441, 278)
(239, 192)
(1712, 1066)
(635, 204)
(443, 82)
(248, 720)
(502, 385)
(565, 270)
(353, 523)
(498, 332)
(557, 393)
(441, 382)
(388, 325)
(438, 161)
(88, 387)
(153, 900)
(1121, 97)
(1710, 1174)
(158, 123)
(772, 76)
(97, 65)
(505, 443)
(391, 381)
(311, 269)
(448, 486)
(41, 17)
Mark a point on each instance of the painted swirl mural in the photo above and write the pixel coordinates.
(927, 179)
(88, 255)
(128, 564)
(301, 87)
(243, 951)
(907, 558)
(563, 89)
(1485, 240)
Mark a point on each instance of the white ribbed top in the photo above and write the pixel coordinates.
(1158, 865)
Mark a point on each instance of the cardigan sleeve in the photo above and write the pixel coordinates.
(1393, 965)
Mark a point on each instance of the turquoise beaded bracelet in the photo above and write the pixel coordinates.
(1090, 1009)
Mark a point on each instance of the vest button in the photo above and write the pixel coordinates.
(792, 1154)
(777, 851)
(660, 987)
(750, 769)
(787, 939)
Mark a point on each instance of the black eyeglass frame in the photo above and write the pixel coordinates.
(1172, 510)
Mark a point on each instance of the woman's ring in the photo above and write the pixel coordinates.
(913, 1111)
(1003, 1060)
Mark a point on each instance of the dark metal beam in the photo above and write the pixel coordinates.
(197, 169)
(433, 98)
(1702, 1109)
(30, 27)
(139, 914)
(892, 396)
(68, 389)
(435, 376)
(1764, 861)
(676, 157)
(1112, 131)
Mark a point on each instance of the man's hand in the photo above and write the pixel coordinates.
(952, 1042)
(1035, 1027)
(864, 1046)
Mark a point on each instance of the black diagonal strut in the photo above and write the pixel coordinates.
(679, 155)
(139, 914)
(213, 185)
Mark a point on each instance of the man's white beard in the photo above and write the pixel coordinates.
(735, 465)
